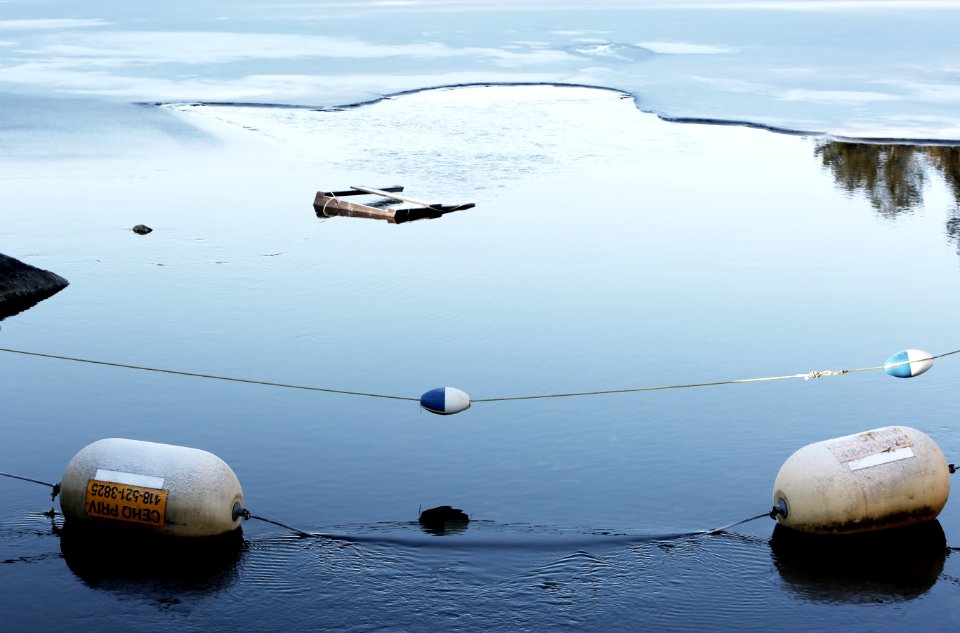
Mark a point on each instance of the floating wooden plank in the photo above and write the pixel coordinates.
(356, 191)
(386, 194)
(329, 204)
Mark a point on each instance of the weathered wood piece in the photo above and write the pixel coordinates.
(357, 192)
(395, 196)
(22, 285)
(329, 204)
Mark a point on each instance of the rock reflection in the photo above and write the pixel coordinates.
(892, 177)
(884, 566)
(152, 568)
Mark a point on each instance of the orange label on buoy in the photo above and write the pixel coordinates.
(123, 502)
(868, 444)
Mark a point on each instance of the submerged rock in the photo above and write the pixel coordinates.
(22, 285)
(444, 520)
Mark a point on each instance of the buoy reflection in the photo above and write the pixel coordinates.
(134, 563)
(884, 566)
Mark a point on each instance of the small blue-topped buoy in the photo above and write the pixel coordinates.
(908, 363)
(445, 401)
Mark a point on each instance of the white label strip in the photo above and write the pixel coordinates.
(131, 479)
(881, 458)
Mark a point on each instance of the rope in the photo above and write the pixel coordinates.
(741, 522)
(808, 376)
(242, 513)
(329, 200)
(300, 533)
(34, 481)
(246, 515)
(209, 376)
(54, 488)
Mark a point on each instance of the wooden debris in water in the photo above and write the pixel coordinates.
(331, 203)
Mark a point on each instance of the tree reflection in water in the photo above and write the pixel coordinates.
(947, 160)
(892, 177)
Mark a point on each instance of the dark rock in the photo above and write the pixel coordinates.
(444, 520)
(142, 229)
(23, 285)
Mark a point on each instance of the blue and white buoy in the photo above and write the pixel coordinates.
(908, 363)
(445, 401)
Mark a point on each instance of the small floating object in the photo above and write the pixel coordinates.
(444, 520)
(159, 488)
(908, 363)
(142, 229)
(888, 477)
(445, 401)
(331, 203)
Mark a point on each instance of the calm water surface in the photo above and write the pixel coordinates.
(607, 249)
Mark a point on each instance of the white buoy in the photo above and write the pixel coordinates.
(908, 363)
(165, 489)
(445, 401)
(884, 478)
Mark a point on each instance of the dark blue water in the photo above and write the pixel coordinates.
(607, 250)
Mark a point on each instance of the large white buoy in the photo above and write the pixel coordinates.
(445, 401)
(884, 478)
(165, 489)
(908, 363)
